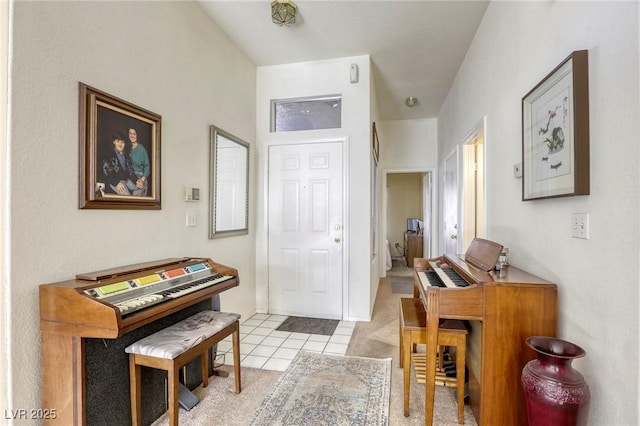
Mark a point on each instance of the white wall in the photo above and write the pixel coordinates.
(313, 79)
(167, 57)
(408, 143)
(407, 146)
(517, 44)
(4, 102)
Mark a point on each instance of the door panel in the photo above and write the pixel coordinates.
(450, 232)
(305, 229)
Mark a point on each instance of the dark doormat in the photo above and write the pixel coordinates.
(325, 327)
(403, 285)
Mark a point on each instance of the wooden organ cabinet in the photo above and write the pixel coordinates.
(502, 310)
(87, 322)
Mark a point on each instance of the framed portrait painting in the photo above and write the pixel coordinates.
(555, 132)
(119, 153)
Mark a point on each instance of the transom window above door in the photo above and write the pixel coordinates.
(321, 112)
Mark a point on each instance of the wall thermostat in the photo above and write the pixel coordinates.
(192, 194)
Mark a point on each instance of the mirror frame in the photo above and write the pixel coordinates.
(213, 181)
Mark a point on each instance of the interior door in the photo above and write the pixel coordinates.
(450, 195)
(306, 229)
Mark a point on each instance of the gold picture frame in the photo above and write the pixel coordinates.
(119, 153)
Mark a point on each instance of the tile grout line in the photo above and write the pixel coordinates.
(281, 364)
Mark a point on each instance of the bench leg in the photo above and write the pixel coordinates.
(440, 364)
(174, 394)
(401, 361)
(461, 350)
(406, 354)
(204, 361)
(135, 378)
(236, 357)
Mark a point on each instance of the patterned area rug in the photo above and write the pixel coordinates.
(402, 285)
(329, 390)
(325, 327)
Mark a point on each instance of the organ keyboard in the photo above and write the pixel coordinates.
(110, 304)
(441, 276)
(502, 312)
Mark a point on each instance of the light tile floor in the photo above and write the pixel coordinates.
(262, 346)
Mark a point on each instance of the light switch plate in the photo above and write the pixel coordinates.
(192, 219)
(580, 225)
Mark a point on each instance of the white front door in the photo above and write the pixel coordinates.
(306, 229)
(450, 195)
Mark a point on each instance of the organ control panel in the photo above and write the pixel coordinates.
(143, 292)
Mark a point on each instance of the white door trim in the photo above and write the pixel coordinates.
(469, 195)
(262, 232)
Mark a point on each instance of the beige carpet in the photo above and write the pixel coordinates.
(375, 339)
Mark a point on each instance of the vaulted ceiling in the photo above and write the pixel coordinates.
(416, 47)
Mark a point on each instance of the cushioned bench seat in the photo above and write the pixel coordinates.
(172, 341)
(171, 348)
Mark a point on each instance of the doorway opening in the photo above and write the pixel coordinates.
(407, 220)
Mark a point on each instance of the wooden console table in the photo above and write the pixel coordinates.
(412, 247)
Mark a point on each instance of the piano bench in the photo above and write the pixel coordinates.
(413, 330)
(173, 347)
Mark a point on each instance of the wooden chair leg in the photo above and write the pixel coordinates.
(174, 394)
(236, 357)
(135, 377)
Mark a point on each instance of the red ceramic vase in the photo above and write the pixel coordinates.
(555, 393)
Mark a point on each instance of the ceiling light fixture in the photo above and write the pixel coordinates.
(411, 101)
(283, 12)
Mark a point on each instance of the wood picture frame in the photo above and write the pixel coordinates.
(119, 153)
(555, 132)
(375, 144)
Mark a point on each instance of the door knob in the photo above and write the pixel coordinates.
(337, 239)
(454, 237)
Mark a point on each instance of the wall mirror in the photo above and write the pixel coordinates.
(228, 185)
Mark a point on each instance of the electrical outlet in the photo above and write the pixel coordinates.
(517, 170)
(580, 225)
(192, 219)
